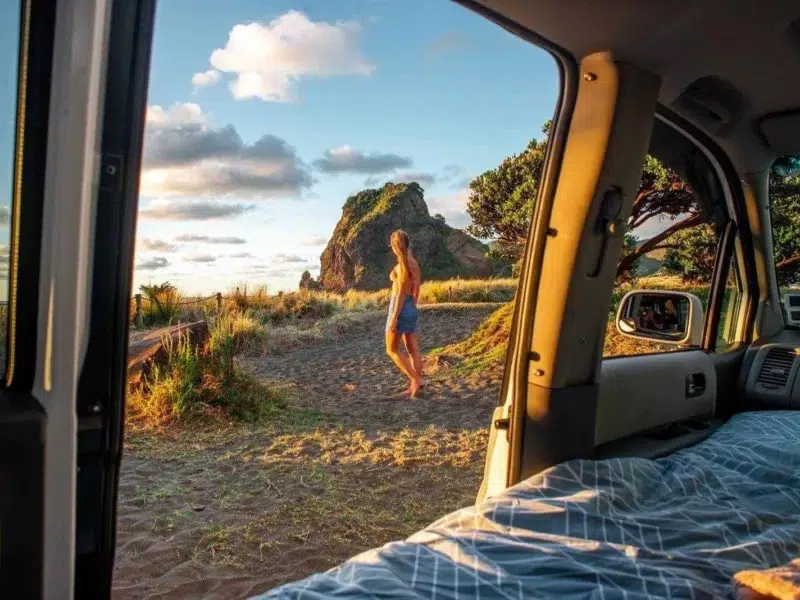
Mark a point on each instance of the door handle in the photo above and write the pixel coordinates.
(695, 384)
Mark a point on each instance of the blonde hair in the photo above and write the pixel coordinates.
(400, 238)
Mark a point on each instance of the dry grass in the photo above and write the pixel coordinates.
(279, 339)
(198, 383)
(305, 305)
(482, 352)
(298, 502)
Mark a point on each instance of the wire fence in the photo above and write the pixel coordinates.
(139, 300)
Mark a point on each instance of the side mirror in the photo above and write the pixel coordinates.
(661, 316)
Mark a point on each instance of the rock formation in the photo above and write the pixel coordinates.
(358, 254)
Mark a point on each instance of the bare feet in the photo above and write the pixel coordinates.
(416, 386)
(409, 391)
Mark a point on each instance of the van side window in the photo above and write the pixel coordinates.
(9, 57)
(671, 243)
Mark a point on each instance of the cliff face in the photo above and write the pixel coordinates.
(358, 254)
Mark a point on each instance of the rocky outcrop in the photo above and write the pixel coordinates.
(358, 254)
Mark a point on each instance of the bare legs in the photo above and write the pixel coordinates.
(412, 347)
(410, 365)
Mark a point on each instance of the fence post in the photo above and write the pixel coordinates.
(450, 293)
(137, 317)
(219, 302)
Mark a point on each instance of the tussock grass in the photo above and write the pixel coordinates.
(201, 383)
(303, 305)
(161, 304)
(485, 349)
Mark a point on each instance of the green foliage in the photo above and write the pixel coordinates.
(204, 382)
(485, 349)
(366, 205)
(501, 204)
(160, 305)
(692, 253)
(629, 244)
(501, 200)
(785, 212)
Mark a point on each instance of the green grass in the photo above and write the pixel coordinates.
(205, 382)
(485, 349)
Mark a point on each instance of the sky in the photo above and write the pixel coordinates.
(264, 116)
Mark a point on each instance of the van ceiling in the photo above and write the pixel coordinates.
(753, 45)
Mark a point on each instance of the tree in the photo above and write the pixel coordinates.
(784, 196)
(501, 203)
(692, 252)
(307, 282)
(501, 200)
(662, 195)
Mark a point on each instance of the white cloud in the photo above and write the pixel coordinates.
(317, 240)
(456, 176)
(267, 60)
(185, 156)
(179, 113)
(210, 239)
(453, 207)
(242, 255)
(206, 78)
(163, 209)
(288, 258)
(424, 179)
(157, 245)
(201, 258)
(153, 264)
(345, 159)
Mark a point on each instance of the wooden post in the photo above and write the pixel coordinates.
(137, 317)
(219, 302)
(450, 293)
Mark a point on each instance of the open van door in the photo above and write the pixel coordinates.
(78, 127)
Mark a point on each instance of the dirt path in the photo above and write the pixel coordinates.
(231, 513)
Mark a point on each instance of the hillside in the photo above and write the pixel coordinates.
(358, 254)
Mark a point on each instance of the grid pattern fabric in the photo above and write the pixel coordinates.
(676, 527)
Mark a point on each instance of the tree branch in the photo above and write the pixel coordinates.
(626, 262)
(788, 263)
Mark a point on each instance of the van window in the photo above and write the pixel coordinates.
(784, 202)
(671, 242)
(9, 57)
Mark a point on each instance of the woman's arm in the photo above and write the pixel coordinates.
(418, 282)
(403, 283)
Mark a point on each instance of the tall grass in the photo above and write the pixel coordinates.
(199, 382)
(161, 304)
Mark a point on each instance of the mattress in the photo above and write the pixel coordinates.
(675, 527)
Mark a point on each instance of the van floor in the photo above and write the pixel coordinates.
(232, 512)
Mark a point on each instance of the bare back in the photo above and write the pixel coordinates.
(414, 279)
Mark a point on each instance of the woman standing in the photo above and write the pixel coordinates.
(403, 313)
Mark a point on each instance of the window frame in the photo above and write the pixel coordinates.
(35, 59)
(733, 247)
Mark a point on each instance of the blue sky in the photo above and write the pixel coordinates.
(265, 116)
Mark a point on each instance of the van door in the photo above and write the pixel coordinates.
(601, 136)
(78, 126)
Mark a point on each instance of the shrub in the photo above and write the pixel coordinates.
(205, 382)
(161, 304)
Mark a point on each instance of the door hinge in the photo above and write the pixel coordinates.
(502, 423)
